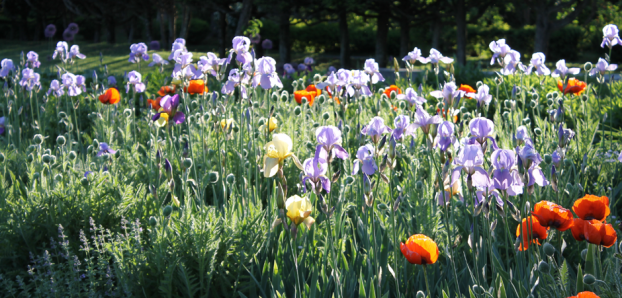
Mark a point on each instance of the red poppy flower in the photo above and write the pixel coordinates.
(309, 95)
(196, 87)
(537, 232)
(154, 103)
(592, 207)
(552, 215)
(599, 233)
(111, 96)
(420, 249)
(387, 91)
(574, 86)
(394, 108)
(455, 118)
(467, 89)
(586, 294)
(164, 90)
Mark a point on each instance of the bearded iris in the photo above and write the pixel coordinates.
(235, 79)
(500, 49)
(403, 128)
(315, 169)
(371, 68)
(365, 160)
(602, 66)
(482, 130)
(329, 139)
(410, 95)
(134, 78)
(138, 51)
(505, 175)
(266, 75)
(470, 159)
(276, 152)
(537, 62)
(168, 110)
(375, 129)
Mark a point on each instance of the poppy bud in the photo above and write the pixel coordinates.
(29, 158)
(506, 115)
(62, 115)
(117, 154)
(544, 267)
(349, 180)
(84, 181)
(589, 279)
(548, 159)
(46, 158)
(284, 96)
(463, 110)
(533, 104)
(321, 99)
(295, 84)
(466, 116)
(310, 146)
(584, 98)
(153, 221)
(255, 105)
(60, 140)
(213, 177)
(419, 185)
(58, 177)
(567, 162)
(382, 206)
(72, 155)
(297, 111)
(402, 105)
(95, 143)
(105, 156)
(584, 254)
(346, 129)
(325, 116)
(187, 163)
(478, 290)
(36, 175)
(274, 96)
(210, 152)
(526, 121)
(247, 165)
(230, 179)
(167, 210)
(549, 102)
(38, 139)
(236, 128)
(420, 294)
(538, 131)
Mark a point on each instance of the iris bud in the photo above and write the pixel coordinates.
(325, 116)
(382, 206)
(38, 139)
(544, 267)
(589, 279)
(230, 179)
(167, 210)
(84, 182)
(60, 140)
(72, 155)
(297, 111)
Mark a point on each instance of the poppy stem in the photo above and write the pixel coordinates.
(425, 275)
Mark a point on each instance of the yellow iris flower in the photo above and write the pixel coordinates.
(299, 210)
(276, 152)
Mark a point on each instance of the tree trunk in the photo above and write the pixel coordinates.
(185, 22)
(172, 22)
(23, 28)
(284, 46)
(381, 35)
(543, 33)
(460, 32)
(111, 27)
(40, 24)
(223, 33)
(404, 36)
(147, 24)
(245, 15)
(163, 39)
(96, 37)
(344, 39)
(130, 32)
(436, 33)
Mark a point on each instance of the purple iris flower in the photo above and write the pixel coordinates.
(235, 79)
(365, 156)
(537, 62)
(73, 28)
(81, 82)
(411, 96)
(372, 69)
(112, 81)
(499, 49)
(241, 45)
(2, 121)
(50, 30)
(30, 79)
(138, 51)
(436, 57)
(308, 62)
(211, 64)
(33, 59)
(157, 60)
(505, 176)
(134, 78)
(562, 70)
(182, 60)
(414, 56)
(375, 129)
(178, 45)
(482, 96)
(74, 52)
(512, 63)
(610, 36)
(358, 84)
(266, 44)
(169, 105)
(481, 131)
(266, 75)
(288, 70)
(315, 169)
(168, 168)
(522, 135)
(56, 87)
(531, 160)
(62, 49)
(445, 136)
(423, 120)
(329, 139)
(479, 196)
(564, 135)
(86, 174)
(403, 128)
(448, 94)
(602, 66)
(619, 156)
(331, 82)
(104, 148)
(470, 160)
(7, 66)
(69, 82)
(556, 157)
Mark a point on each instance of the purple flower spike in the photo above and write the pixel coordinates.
(482, 130)
(530, 159)
(329, 139)
(2, 121)
(50, 30)
(73, 28)
(445, 136)
(564, 135)
(470, 160)
(403, 128)
(365, 156)
(68, 36)
(375, 129)
(423, 120)
(167, 166)
(155, 45)
(411, 96)
(506, 176)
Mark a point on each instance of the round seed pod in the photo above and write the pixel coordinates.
(297, 111)
(167, 210)
(544, 267)
(60, 140)
(230, 179)
(72, 155)
(38, 139)
(589, 279)
(153, 221)
(84, 182)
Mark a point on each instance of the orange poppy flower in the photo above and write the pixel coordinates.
(387, 91)
(196, 87)
(164, 90)
(537, 232)
(586, 294)
(310, 95)
(592, 207)
(312, 88)
(154, 103)
(599, 233)
(552, 215)
(575, 86)
(111, 96)
(394, 108)
(467, 89)
(420, 249)
(455, 118)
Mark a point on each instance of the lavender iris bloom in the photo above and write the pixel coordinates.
(308, 62)
(30, 79)
(358, 84)
(241, 45)
(423, 120)
(448, 94)
(169, 105)
(481, 131)
(178, 45)
(182, 60)
(81, 82)
(602, 66)
(564, 135)
(2, 123)
(619, 156)
(375, 129)
(211, 64)
(537, 61)
(482, 96)
(62, 49)
(505, 175)
(74, 52)
(33, 59)
(365, 160)
(104, 148)
(50, 30)
(7, 67)
(112, 81)
(329, 139)
(315, 169)
(470, 159)
(134, 78)
(56, 87)
(436, 57)
(556, 157)
(522, 135)
(235, 79)
(531, 160)
(512, 63)
(562, 70)
(266, 75)
(288, 70)
(499, 49)
(331, 82)
(445, 136)
(372, 69)
(411, 96)
(157, 60)
(414, 56)
(69, 82)
(610, 36)
(403, 128)
(138, 51)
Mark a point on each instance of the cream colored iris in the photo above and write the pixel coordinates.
(163, 120)
(272, 124)
(299, 210)
(226, 124)
(276, 151)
